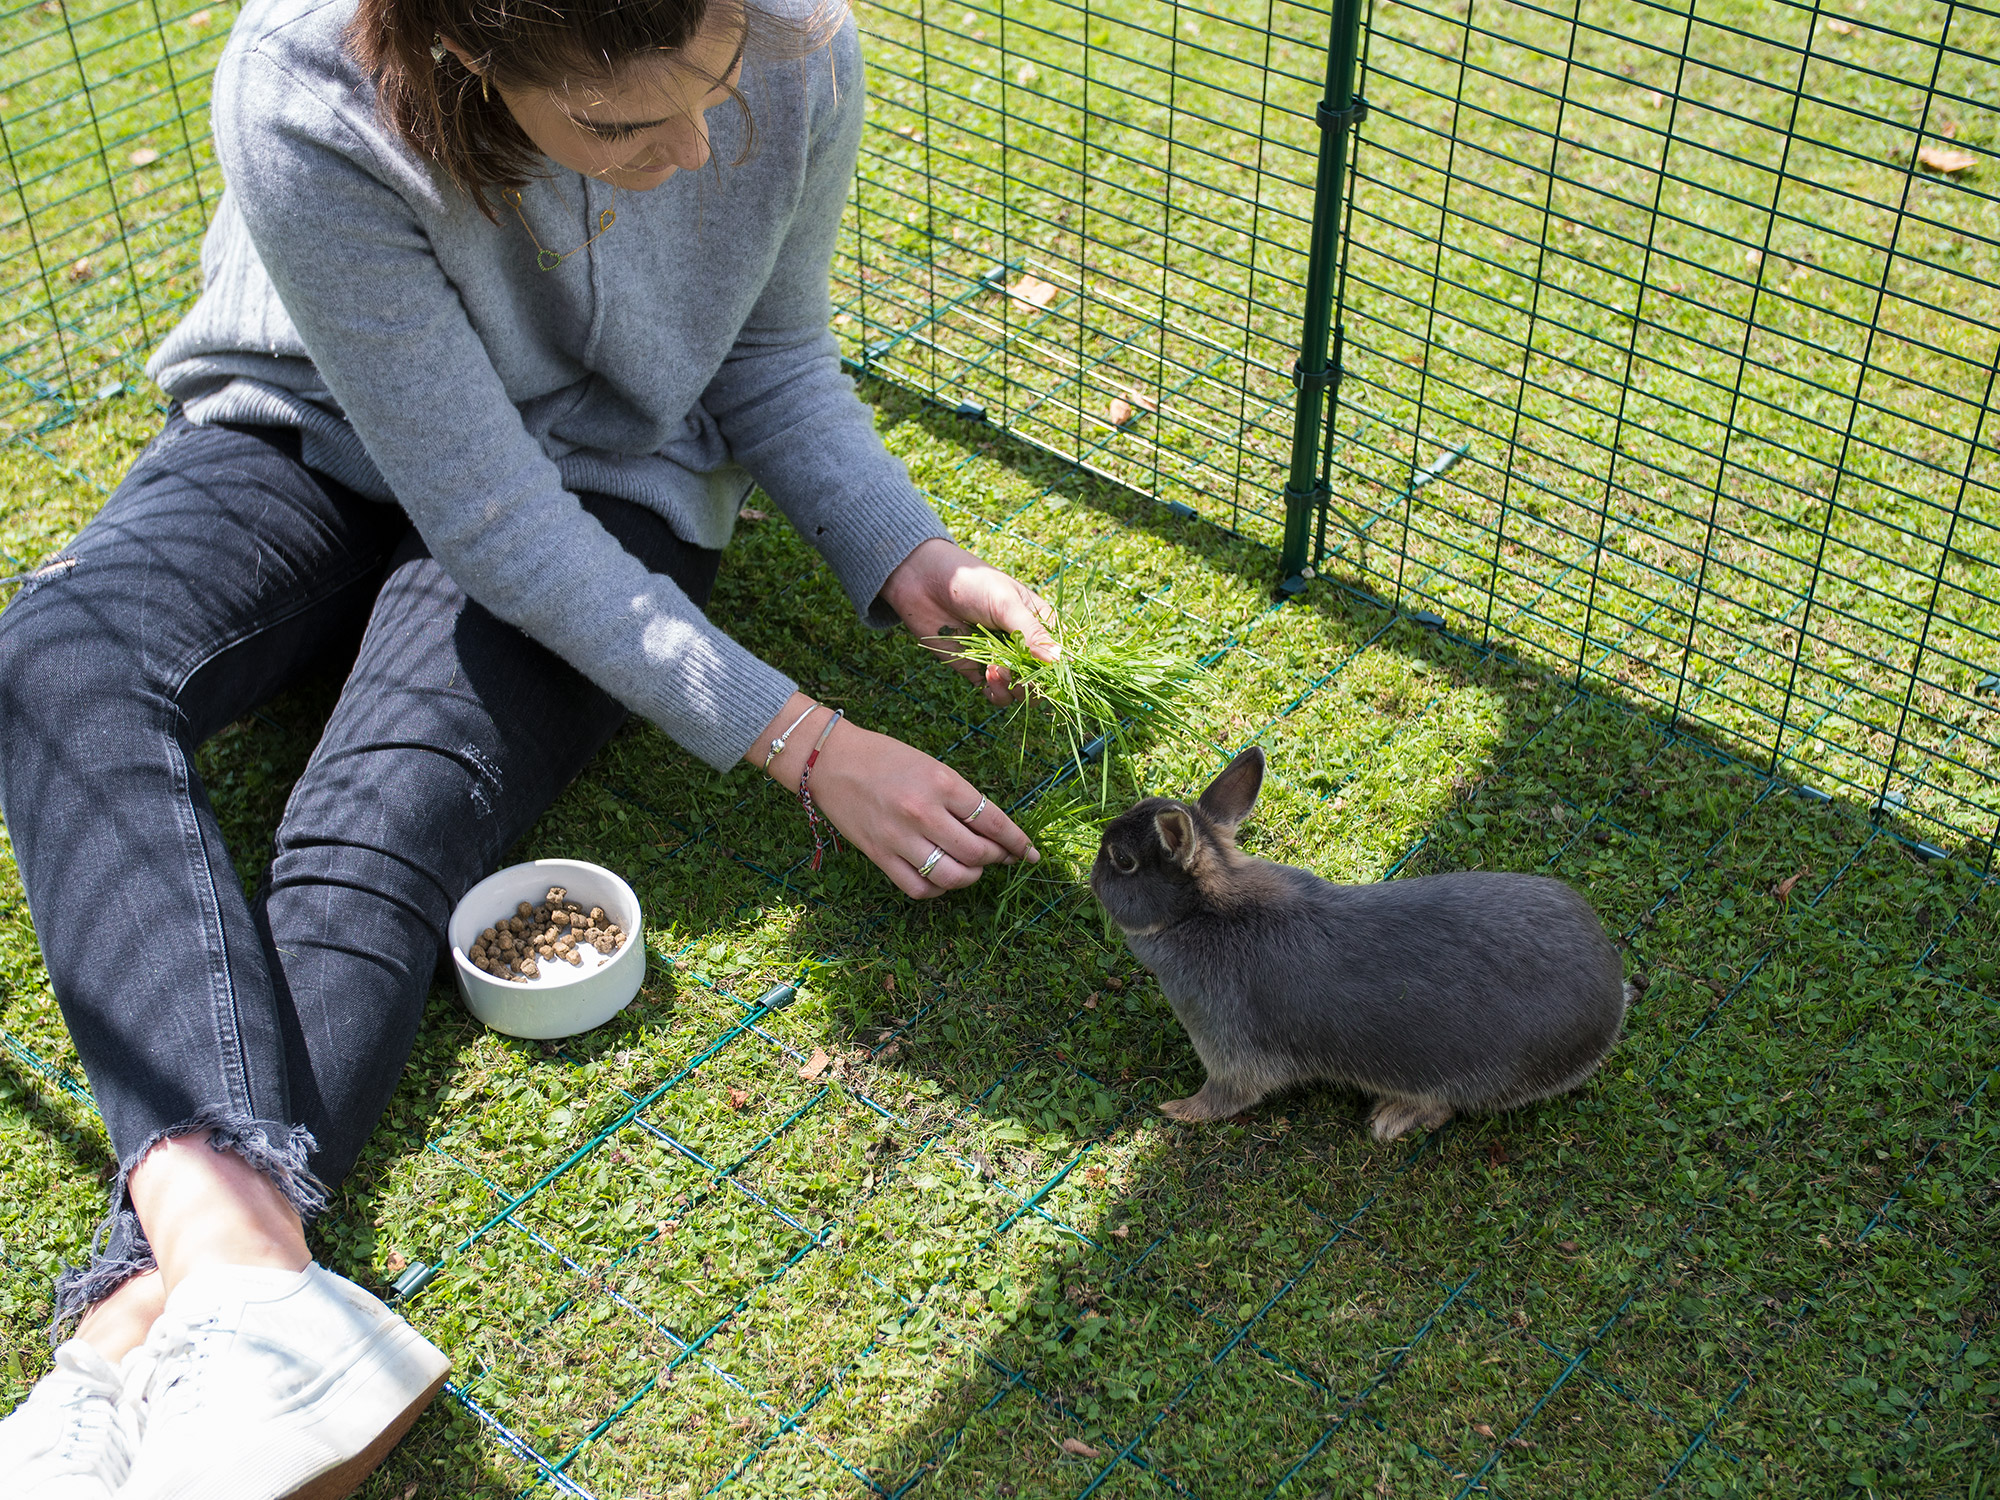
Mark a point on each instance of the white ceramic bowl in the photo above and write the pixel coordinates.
(562, 1002)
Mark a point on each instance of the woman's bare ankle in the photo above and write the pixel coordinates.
(202, 1207)
(117, 1324)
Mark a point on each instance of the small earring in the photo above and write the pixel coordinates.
(437, 48)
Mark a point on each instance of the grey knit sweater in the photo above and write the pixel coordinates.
(352, 293)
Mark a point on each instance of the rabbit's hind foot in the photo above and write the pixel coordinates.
(1215, 1100)
(1396, 1115)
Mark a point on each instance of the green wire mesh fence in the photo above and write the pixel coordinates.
(104, 125)
(1706, 297)
(1668, 332)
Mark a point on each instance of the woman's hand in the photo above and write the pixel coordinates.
(892, 802)
(941, 589)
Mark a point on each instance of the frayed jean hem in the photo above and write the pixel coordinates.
(119, 1250)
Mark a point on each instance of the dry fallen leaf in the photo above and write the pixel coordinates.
(1838, 26)
(1568, 1247)
(409, 1490)
(1120, 411)
(145, 156)
(395, 1262)
(1090, 1001)
(889, 983)
(1027, 74)
(889, 1051)
(1496, 1154)
(1482, 1429)
(1033, 290)
(81, 270)
(1121, 1231)
(1078, 1447)
(1945, 159)
(738, 1098)
(751, 513)
(815, 1065)
(1783, 889)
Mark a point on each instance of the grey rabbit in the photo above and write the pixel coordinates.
(1441, 994)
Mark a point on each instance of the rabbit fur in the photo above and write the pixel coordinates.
(1470, 992)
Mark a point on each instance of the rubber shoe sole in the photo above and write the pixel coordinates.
(324, 1449)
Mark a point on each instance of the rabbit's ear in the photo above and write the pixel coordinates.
(1176, 831)
(1231, 795)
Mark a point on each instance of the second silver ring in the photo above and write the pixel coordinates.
(973, 816)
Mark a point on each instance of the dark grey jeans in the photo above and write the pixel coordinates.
(219, 571)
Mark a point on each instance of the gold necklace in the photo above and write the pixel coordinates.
(547, 259)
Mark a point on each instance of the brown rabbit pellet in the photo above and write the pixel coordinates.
(515, 947)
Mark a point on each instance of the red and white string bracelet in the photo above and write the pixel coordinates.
(805, 792)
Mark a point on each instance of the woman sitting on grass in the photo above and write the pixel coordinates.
(484, 366)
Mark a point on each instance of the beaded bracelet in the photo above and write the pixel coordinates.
(805, 792)
(779, 743)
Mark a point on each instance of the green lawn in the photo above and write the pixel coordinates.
(1754, 1255)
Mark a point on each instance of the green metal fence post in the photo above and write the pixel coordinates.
(1315, 375)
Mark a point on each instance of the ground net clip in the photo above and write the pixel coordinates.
(413, 1280)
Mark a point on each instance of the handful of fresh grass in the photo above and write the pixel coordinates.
(1103, 685)
(1105, 690)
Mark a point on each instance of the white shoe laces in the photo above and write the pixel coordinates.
(92, 1412)
(164, 1376)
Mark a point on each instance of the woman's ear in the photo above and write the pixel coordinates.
(441, 44)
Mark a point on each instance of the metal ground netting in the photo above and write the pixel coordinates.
(1666, 366)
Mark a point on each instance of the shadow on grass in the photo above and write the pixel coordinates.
(923, 1230)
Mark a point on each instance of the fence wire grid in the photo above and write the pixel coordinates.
(1669, 332)
(1668, 343)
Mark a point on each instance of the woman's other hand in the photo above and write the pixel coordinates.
(893, 802)
(941, 590)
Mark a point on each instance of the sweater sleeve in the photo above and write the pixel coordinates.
(388, 334)
(781, 400)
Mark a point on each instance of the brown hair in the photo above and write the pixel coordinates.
(443, 108)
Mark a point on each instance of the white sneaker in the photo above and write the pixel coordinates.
(70, 1440)
(261, 1384)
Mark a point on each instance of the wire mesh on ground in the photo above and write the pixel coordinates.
(1093, 230)
(629, 1239)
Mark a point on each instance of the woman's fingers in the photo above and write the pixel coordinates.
(896, 805)
(990, 823)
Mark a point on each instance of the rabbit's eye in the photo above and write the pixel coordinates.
(1126, 863)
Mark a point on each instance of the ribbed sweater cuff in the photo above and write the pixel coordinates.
(741, 695)
(868, 537)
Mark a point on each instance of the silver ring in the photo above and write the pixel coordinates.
(973, 816)
(924, 869)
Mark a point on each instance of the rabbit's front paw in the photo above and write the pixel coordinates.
(1214, 1101)
(1394, 1116)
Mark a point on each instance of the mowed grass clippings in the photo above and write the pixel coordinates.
(919, 1229)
